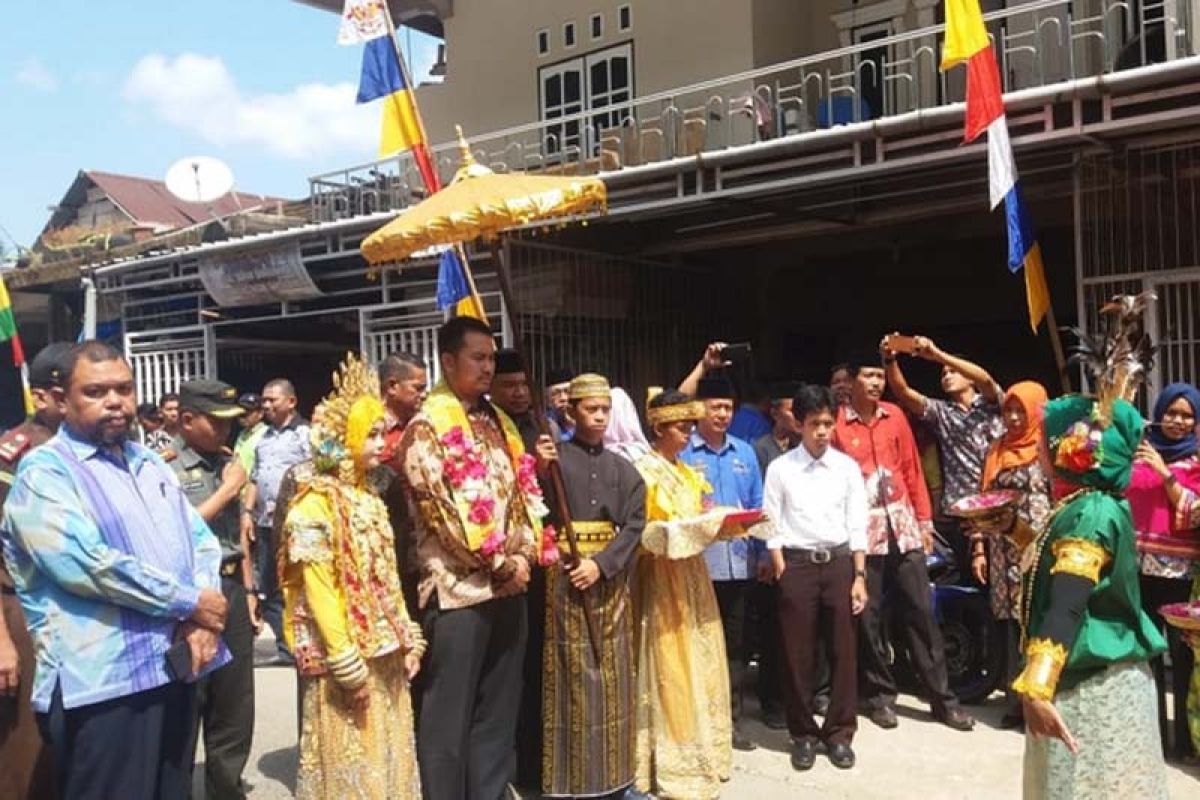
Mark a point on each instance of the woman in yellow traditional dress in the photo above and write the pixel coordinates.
(344, 616)
(684, 732)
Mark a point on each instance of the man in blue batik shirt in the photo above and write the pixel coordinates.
(731, 469)
(113, 567)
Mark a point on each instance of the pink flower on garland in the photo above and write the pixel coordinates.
(492, 544)
(548, 554)
(482, 509)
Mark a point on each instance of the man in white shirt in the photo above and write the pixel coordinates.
(816, 497)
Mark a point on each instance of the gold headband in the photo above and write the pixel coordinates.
(589, 384)
(691, 411)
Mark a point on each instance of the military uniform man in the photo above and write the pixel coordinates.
(212, 482)
(25, 768)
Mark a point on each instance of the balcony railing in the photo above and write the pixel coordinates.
(1038, 44)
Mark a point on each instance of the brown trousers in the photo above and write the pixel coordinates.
(814, 604)
(24, 762)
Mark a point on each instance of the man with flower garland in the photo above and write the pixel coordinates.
(476, 506)
(588, 706)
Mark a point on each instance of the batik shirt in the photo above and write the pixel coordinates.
(964, 436)
(108, 557)
(887, 456)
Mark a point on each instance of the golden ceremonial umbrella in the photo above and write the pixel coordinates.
(480, 203)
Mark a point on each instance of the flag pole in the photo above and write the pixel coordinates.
(1060, 360)
(432, 181)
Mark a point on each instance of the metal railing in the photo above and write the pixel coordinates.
(1038, 43)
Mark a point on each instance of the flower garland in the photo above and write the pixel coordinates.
(466, 470)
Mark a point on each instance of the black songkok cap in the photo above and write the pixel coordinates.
(716, 387)
(45, 371)
(559, 375)
(508, 362)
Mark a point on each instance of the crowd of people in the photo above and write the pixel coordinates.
(477, 591)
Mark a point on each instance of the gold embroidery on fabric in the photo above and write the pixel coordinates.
(309, 542)
(1079, 557)
(1044, 662)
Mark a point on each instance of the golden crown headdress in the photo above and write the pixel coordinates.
(349, 412)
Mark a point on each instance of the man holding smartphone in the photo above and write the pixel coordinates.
(212, 481)
(731, 469)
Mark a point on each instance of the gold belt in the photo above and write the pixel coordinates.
(592, 536)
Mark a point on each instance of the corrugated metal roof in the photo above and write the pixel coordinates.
(253, 240)
(147, 201)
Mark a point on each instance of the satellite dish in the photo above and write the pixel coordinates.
(199, 179)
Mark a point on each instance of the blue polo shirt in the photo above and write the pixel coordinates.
(736, 481)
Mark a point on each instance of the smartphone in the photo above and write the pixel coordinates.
(899, 343)
(179, 661)
(736, 352)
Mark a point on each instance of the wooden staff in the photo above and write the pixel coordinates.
(556, 479)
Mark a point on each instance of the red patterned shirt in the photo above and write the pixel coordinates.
(891, 466)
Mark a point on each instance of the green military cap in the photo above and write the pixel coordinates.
(214, 398)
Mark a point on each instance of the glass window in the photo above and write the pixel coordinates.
(543, 42)
(597, 26)
(569, 34)
(625, 18)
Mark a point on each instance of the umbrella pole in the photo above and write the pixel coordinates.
(556, 479)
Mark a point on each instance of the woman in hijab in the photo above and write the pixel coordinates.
(1086, 688)
(1012, 463)
(1163, 495)
(624, 435)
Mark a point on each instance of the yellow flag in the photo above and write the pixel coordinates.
(966, 34)
(1037, 294)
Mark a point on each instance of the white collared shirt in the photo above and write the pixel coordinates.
(816, 502)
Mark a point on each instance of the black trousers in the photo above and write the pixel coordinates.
(764, 600)
(1005, 657)
(814, 607)
(731, 598)
(265, 572)
(471, 699)
(134, 746)
(529, 720)
(225, 702)
(898, 585)
(1158, 592)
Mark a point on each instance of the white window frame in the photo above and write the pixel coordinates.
(570, 25)
(628, 9)
(587, 140)
(592, 27)
(537, 41)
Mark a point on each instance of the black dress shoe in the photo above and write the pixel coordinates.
(955, 718)
(804, 755)
(841, 756)
(884, 717)
(1012, 720)
(821, 705)
(742, 742)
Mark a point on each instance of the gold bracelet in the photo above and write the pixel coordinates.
(1044, 662)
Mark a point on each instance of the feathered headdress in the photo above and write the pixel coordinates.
(1120, 355)
(350, 411)
(1118, 358)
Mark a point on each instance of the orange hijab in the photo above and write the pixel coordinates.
(1017, 449)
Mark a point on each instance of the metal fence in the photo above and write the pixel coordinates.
(1038, 43)
(1136, 214)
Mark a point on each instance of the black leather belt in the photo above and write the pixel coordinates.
(816, 555)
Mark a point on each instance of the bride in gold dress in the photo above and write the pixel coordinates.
(344, 616)
(684, 730)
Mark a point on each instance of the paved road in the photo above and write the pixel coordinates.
(920, 759)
